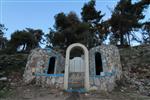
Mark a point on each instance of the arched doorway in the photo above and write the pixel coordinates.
(98, 63)
(51, 67)
(77, 54)
(76, 69)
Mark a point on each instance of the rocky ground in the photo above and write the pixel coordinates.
(31, 92)
(136, 68)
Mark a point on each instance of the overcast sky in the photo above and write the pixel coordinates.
(39, 14)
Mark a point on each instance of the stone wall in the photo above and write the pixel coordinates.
(37, 66)
(103, 83)
(38, 61)
(110, 59)
(60, 61)
(50, 81)
(112, 69)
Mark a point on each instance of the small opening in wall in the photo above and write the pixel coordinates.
(98, 63)
(63, 72)
(51, 66)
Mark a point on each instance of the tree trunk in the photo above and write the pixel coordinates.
(121, 40)
(23, 49)
(128, 39)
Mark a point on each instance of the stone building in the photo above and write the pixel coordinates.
(105, 67)
(81, 69)
(44, 67)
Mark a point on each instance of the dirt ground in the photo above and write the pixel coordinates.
(38, 93)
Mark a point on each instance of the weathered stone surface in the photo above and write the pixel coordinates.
(110, 59)
(136, 68)
(37, 66)
(38, 62)
(111, 65)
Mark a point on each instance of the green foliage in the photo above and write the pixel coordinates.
(68, 29)
(90, 14)
(2, 29)
(28, 39)
(3, 40)
(126, 18)
(91, 30)
(97, 25)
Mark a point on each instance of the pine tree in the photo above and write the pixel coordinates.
(126, 18)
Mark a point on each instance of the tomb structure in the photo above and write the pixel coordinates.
(105, 67)
(81, 69)
(45, 67)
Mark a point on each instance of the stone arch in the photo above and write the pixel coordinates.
(86, 64)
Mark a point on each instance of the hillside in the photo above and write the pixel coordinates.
(135, 78)
(136, 68)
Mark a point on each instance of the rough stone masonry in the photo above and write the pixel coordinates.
(39, 62)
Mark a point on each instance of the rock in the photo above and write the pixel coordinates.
(73, 96)
(86, 94)
(93, 88)
(61, 93)
(3, 79)
(136, 68)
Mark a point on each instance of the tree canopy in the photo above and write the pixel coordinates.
(125, 22)
(126, 18)
(3, 40)
(90, 30)
(25, 40)
(68, 29)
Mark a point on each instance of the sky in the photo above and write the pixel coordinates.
(20, 14)
(39, 14)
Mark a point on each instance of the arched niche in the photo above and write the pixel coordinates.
(51, 65)
(85, 63)
(98, 63)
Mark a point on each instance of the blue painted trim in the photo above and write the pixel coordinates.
(105, 74)
(80, 90)
(48, 49)
(53, 75)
